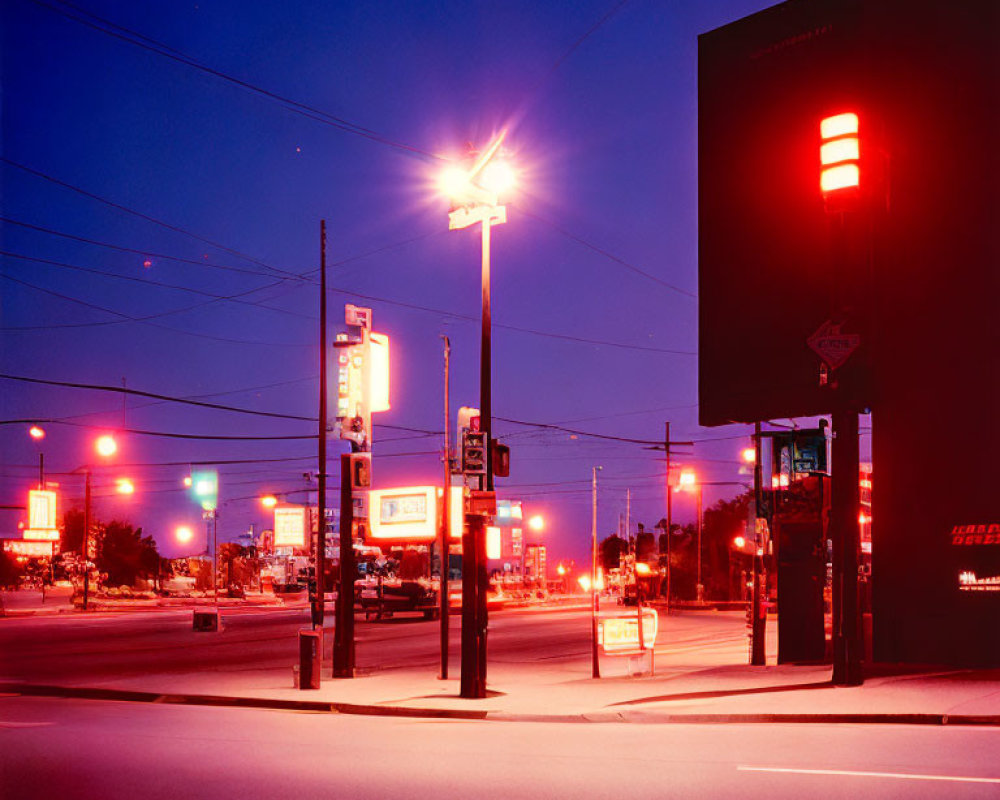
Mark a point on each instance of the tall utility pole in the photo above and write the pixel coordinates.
(670, 506)
(758, 624)
(86, 536)
(595, 661)
(319, 606)
(444, 547)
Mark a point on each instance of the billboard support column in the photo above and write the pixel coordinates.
(847, 643)
(758, 625)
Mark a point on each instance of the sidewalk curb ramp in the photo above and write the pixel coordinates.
(632, 717)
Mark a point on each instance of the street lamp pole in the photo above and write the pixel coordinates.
(595, 662)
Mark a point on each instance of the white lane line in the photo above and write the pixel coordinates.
(857, 773)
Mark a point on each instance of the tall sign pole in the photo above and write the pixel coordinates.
(670, 506)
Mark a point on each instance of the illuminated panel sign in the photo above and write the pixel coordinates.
(378, 372)
(457, 512)
(19, 547)
(42, 510)
(408, 514)
(620, 635)
(493, 542)
(289, 526)
(40, 535)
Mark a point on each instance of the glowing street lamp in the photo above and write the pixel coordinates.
(183, 534)
(124, 486)
(536, 523)
(688, 482)
(749, 455)
(36, 433)
(269, 501)
(475, 197)
(106, 446)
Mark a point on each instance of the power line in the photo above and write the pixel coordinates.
(140, 215)
(146, 43)
(183, 401)
(147, 320)
(608, 255)
(232, 298)
(154, 396)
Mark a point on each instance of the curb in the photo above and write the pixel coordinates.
(315, 706)
(128, 696)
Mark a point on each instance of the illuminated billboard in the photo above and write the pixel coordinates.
(289, 526)
(406, 514)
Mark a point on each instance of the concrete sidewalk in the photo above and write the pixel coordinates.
(710, 684)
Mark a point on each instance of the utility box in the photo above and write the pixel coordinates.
(206, 620)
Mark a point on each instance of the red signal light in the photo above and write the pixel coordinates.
(839, 152)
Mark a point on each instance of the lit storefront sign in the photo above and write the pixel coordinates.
(28, 549)
(41, 516)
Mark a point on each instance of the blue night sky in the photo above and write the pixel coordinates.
(222, 188)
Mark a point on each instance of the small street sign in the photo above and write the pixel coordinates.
(833, 346)
(484, 503)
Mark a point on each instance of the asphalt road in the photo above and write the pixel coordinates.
(79, 650)
(73, 749)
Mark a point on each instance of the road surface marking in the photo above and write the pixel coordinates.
(857, 773)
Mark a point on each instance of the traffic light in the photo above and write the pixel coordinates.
(205, 488)
(473, 452)
(500, 455)
(361, 470)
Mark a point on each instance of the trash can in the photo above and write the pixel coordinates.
(310, 658)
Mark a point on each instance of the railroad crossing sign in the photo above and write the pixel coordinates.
(833, 346)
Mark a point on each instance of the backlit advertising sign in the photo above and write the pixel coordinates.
(406, 514)
(289, 526)
(41, 509)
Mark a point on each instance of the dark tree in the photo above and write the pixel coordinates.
(125, 554)
(611, 551)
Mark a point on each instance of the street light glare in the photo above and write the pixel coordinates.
(124, 486)
(269, 501)
(36, 433)
(749, 455)
(497, 177)
(536, 523)
(453, 182)
(687, 479)
(106, 445)
(184, 534)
